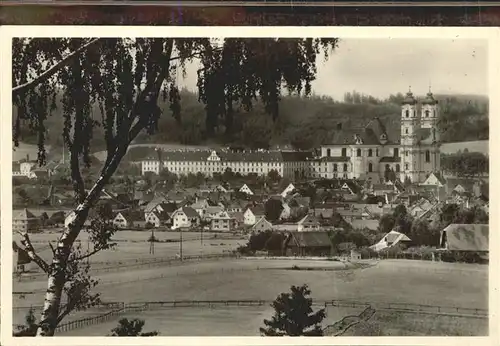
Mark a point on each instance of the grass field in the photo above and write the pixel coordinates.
(472, 146)
(247, 321)
(132, 245)
(398, 281)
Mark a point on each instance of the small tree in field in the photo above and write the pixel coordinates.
(294, 315)
(112, 85)
(133, 327)
(29, 329)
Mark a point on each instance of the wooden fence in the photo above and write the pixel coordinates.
(84, 322)
(119, 308)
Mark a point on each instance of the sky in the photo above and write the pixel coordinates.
(380, 67)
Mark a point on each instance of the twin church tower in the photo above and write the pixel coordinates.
(419, 137)
(411, 152)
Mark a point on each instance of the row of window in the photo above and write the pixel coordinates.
(370, 153)
(200, 163)
(427, 113)
(358, 152)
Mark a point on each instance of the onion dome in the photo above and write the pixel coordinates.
(409, 99)
(429, 99)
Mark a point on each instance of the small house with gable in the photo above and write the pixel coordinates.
(262, 225)
(308, 223)
(127, 218)
(253, 214)
(315, 243)
(287, 190)
(185, 217)
(465, 237)
(246, 189)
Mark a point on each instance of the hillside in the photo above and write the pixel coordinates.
(303, 122)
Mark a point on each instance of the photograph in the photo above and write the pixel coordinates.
(213, 185)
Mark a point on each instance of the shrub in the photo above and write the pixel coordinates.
(294, 316)
(133, 327)
(461, 256)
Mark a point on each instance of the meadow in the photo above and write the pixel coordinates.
(388, 281)
(247, 321)
(133, 246)
(471, 146)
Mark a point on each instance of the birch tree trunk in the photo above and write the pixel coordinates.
(56, 280)
(125, 134)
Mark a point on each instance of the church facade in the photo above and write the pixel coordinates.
(411, 153)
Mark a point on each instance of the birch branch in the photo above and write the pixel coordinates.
(53, 69)
(30, 250)
(87, 255)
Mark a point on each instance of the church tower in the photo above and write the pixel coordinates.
(429, 115)
(410, 124)
(431, 155)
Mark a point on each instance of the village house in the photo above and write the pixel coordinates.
(24, 221)
(287, 190)
(383, 189)
(200, 205)
(286, 227)
(389, 240)
(235, 206)
(238, 218)
(325, 212)
(176, 196)
(57, 218)
(407, 199)
(480, 190)
(213, 210)
(420, 208)
(156, 204)
(350, 187)
(128, 219)
(185, 217)
(434, 179)
(222, 222)
(350, 213)
(262, 225)
(465, 237)
(157, 218)
(308, 223)
(245, 189)
(373, 211)
(314, 243)
(372, 225)
(40, 173)
(286, 213)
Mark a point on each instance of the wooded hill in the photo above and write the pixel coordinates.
(304, 123)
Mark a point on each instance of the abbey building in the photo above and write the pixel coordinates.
(407, 151)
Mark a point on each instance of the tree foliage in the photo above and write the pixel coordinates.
(294, 316)
(30, 326)
(115, 84)
(132, 327)
(273, 209)
(466, 164)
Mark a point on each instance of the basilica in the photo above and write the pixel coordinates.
(411, 152)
